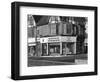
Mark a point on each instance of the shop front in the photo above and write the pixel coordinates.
(52, 46)
(34, 47)
(59, 46)
(31, 49)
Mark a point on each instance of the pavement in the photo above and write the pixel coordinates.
(57, 60)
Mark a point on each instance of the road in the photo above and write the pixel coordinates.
(64, 60)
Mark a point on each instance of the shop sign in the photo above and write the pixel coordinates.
(30, 40)
(53, 39)
(68, 39)
(44, 40)
(31, 44)
(58, 39)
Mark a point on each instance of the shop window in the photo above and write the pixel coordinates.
(54, 49)
(68, 48)
(31, 50)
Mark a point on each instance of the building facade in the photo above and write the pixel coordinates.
(58, 37)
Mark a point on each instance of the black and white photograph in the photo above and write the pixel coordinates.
(57, 40)
(53, 40)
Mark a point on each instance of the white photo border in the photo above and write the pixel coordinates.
(42, 70)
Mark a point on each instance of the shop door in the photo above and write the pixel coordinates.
(54, 49)
(44, 49)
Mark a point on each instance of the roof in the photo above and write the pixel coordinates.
(44, 20)
(41, 20)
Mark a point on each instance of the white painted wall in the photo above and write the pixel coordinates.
(5, 41)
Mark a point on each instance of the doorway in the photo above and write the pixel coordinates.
(54, 49)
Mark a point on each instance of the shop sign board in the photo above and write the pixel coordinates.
(68, 39)
(44, 40)
(54, 39)
(30, 40)
(62, 39)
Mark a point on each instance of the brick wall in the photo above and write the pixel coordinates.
(58, 29)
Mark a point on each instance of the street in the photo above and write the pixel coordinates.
(63, 60)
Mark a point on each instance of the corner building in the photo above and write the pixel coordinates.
(55, 38)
